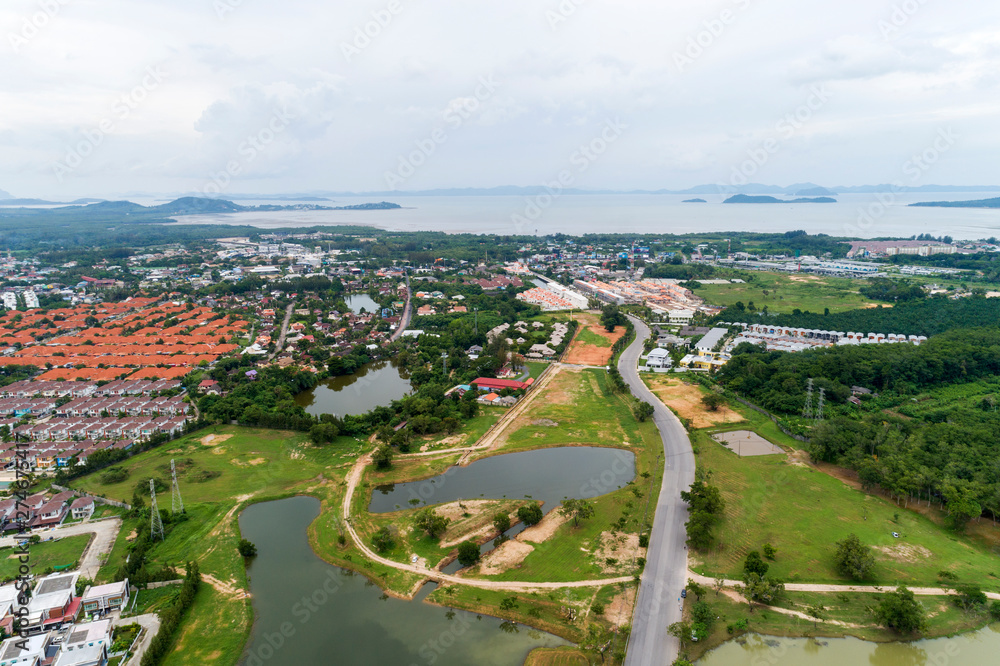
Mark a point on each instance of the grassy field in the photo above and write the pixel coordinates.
(470, 433)
(557, 657)
(851, 609)
(803, 512)
(786, 293)
(46, 554)
(588, 337)
(215, 630)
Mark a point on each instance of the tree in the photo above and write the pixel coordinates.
(712, 402)
(530, 514)
(707, 507)
(642, 411)
(323, 433)
(468, 553)
(770, 551)
(854, 559)
(758, 589)
(681, 631)
(578, 509)
(246, 549)
(718, 584)
(382, 457)
(754, 564)
(383, 540)
(900, 611)
(431, 523)
(611, 317)
(694, 588)
(501, 521)
(970, 598)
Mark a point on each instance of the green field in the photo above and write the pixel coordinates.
(852, 608)
(587, 337)
(470, 432)
(786, 293)
(803, 512)
(67, 551)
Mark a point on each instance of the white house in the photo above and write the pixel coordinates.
(81, 508)
(659, 358)
(105, 598)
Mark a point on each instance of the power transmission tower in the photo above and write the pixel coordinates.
(822, 402)
(476, 310)
(156, 523)
(444, 363)
(176, 503)
(807, 411)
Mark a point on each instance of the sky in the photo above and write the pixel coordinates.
(116, 97)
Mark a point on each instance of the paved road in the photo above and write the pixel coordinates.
(666, 562)
(105, 532)
(280, 344)
(407, 313)
(151, 623)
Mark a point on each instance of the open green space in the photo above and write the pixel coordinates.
(45, 555)
(786, 293)
(215, 630)
(564, 656)
(588, 337)
(470, 432)
(803, 512)
(853, 609)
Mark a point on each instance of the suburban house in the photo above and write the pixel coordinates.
(106, 598)
(81, 508)
(659, 358)
(53, 603)
(491, 384)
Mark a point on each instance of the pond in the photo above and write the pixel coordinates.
(310, 613)
(357, 302)
(980, 647)
(373, 385)
(548, 475)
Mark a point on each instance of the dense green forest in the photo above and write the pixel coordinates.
(928, 316)
(907, 438)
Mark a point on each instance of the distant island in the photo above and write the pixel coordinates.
(182, 206)
(977, 203)
(44, 202)
(815, 192)
(751, 199)
(694, 201)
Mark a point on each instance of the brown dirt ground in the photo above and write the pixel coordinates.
(620, 547)
(905, 552)
(619, 611)
(212, 440)
(583, 354)
(478, 524)
(685, 399)
(545, 529)
(509, 555)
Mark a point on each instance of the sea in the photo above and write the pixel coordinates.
(853, 215)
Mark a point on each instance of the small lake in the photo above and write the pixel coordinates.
(980, 647)
(548, 475)
(357, 302)
(310, 613)
(376, 384)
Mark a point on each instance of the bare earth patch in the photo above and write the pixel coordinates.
(581, 353)
(257, 461)
(905, 552)
(478, 524)
(509, 555)
(619, 611)
(685, 399)
(545, 529)
(212, 440)
(548, 423)
(747, 443)
(621, 547)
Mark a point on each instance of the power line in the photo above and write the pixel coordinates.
(807, 411)
(156, 523)
(176, 503)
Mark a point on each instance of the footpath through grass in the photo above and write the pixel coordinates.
(803, 513)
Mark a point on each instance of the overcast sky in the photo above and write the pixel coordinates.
(112, 97)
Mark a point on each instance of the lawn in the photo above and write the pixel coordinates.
(44, 555)
(557, 657)
(945, 619)
(786, 293)
(215, 630)
(803, 512)
(587, 337)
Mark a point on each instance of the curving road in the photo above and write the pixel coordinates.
(665, 574)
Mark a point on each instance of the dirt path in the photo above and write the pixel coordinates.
(223, 587)
(354, 478)
(820, 587)
(284, 331)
